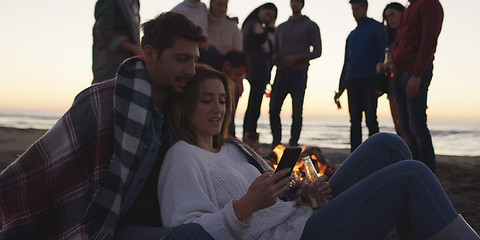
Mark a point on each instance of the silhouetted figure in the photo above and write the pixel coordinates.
(292, 54)
(116, 36)
(413, 55)
(258, 33)
(364, 57)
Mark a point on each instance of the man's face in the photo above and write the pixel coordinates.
(296, 5)
(170, 72)
(359, 12)
(236, 73)
(218, 8)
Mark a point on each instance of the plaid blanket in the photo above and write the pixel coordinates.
(69, 183)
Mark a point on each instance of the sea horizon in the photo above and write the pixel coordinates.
(449, 138)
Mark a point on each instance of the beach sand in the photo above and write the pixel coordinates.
(459, 175)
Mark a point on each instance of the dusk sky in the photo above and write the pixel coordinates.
(47, 46)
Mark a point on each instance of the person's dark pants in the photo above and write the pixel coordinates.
(361, 98)
(231, 127)
(150, 227)
(257, 89)
(413, 117)
(295, 83)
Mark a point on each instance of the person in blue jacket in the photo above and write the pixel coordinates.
(364, 56)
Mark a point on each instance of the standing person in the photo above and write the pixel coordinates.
(94, 174)
(258, 33)
(292, 54)
(364, 57)
(235, 65)
(116, 36)
(196, 11)
(232, 192)
(392, 15)
(413, 55)
(223, 32)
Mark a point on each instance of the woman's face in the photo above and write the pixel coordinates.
(207, 120)
(218, 8)
(266, 15)
(393, 17)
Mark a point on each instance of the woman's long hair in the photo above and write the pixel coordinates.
(391, 33)
(254, 13)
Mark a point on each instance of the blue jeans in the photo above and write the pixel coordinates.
(257, 89)
(150, 227)
(295, 83)
(412, 114)
(361, 98)
(374, 188)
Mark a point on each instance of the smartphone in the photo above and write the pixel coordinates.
(289, 159)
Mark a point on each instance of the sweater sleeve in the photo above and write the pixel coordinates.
(431, 26)
(186, 195)
(315, 41)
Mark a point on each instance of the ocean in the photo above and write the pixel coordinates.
(461, 139)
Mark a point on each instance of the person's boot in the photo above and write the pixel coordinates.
(251, 139)
(458, 229)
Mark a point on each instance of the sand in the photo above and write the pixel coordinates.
(459, 175)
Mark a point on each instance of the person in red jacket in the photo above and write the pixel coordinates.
(413, 56)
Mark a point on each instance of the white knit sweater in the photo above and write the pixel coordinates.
(198, 186)
(223, 33)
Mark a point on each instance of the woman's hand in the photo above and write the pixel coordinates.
(261, 194)
(320, 190)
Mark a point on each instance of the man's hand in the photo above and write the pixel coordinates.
(413, 86)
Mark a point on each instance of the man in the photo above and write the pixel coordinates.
(116, 36)
(94, 174)
(364, 56)
(292, 54)
(235, 65)
(413, 55)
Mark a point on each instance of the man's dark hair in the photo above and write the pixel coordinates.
(237, 59)
(364, 3)
(162, 31)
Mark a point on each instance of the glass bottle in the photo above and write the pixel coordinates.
(310, 176)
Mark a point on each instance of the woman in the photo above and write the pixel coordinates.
(208, 180)
(392, 15)
(223, 32)
(258, 33)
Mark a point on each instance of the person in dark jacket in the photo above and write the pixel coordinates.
(292, 54)
(364, 57)
(258, 33)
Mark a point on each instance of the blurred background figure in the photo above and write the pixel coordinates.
(364, 57)
(223, 31)
(196, 11)
(413, 55)
(392, 15)
(258, 32)
(293, 41)
(235, 65)
(116, 36)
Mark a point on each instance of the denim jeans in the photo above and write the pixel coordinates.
(295, 83)
(361, 98)
(413, 117)
(257, 89)
(374, 188)
(150, 227)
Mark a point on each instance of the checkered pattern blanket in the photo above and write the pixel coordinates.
(69, 184)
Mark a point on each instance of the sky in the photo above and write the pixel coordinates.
(46, 58)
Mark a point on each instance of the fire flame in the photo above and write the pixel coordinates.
(298, 171)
